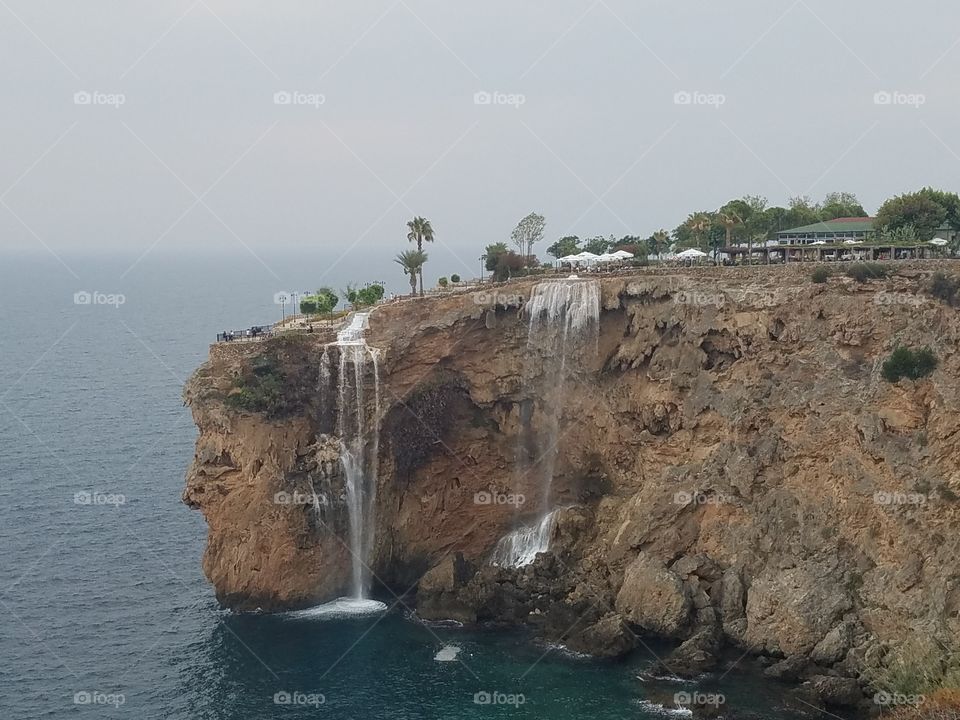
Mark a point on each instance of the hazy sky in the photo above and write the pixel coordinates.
(588, 127)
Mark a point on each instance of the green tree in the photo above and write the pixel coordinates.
(802, 211)
(729, 219)
(527, 233)
(926, 210)
(699, 224)
(597, 245)
(508, 264)
(412, 262)
(493, 253)
(323, 301)
(773, 220)
(658, 242)
(420, 231)
(454, 278)
(841, 205)
(568, 245)
(365, 296)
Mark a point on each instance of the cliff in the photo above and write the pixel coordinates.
(733, 469)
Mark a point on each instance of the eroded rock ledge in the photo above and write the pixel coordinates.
(735, 471)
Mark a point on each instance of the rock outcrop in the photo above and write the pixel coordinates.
(734, 469)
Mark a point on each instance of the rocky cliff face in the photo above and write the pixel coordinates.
(733, 468)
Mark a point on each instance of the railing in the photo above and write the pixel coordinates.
(257, 332)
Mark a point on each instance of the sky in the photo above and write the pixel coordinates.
(260, 130)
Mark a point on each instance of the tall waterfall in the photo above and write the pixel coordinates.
(359, 444)
(564, 325)
(359, 436)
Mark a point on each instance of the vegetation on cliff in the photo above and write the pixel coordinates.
(907, 363)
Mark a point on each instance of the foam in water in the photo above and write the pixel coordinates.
(564, 321)
(341, 608)
(447, 654)
(359, 443)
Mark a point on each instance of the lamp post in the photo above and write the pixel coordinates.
(283, 306)
(483, 264)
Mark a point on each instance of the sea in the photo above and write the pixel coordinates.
(106, 612)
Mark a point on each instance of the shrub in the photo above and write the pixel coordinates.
(443, 282)
(943, 287)
(260, 388)
(907, 363)
(863, 271)
(820, 275)
(454, 278)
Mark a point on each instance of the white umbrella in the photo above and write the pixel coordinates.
(940, 242)
(586, 258)
(608, 257)
(690, 254)
(569, 259)
(819, 242)
(623, 254)
(853, 242)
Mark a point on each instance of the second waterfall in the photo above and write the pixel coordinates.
(563, 331)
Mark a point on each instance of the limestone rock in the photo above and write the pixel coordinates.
(652, 597)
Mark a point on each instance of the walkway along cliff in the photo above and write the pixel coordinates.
(729, 470)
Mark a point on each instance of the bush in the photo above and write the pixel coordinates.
(820, 275)
(454, 278)
(863, 271)
(260, 388)
(943, 287)
(443, 282)
(907, 363)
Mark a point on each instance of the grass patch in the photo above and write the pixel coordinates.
(907, 363)
(921, 669)
(940, 705)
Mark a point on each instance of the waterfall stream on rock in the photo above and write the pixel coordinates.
(359, 448)
(564, 323)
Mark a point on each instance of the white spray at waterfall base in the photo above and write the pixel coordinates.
(564, 323)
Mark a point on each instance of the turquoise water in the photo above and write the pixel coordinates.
(107, 602)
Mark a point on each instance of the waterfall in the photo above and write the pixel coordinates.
(521, 546)
(564, 324)
(359, 444)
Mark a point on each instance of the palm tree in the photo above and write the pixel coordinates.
(699, 223)
(412, 262)
(420, 232)
(729, 219)
(661, 240)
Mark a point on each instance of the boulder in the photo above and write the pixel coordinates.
(652, 597)
(608, 637)
(837, 691)
(789, 612)
(790, 669)
(440, 595)
(833, 648)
